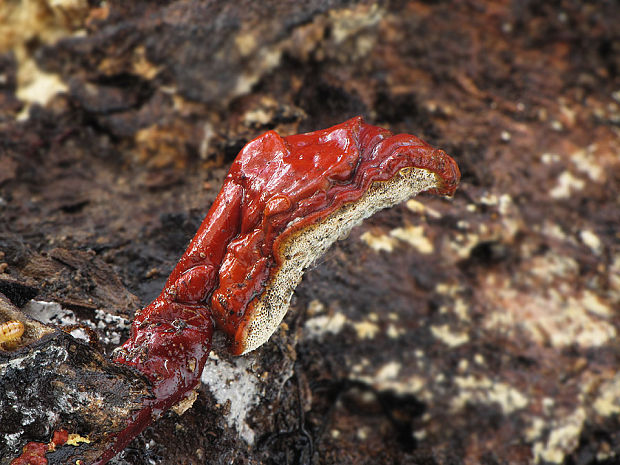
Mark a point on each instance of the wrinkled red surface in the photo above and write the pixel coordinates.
(301, 178)
(272, 182)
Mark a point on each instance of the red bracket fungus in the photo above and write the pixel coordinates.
(284, 201)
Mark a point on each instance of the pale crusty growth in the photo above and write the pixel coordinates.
(302, 248)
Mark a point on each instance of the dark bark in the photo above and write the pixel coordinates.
(477, 330)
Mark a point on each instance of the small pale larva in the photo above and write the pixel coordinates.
(11, 331)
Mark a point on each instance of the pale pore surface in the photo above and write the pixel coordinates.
(304, 247)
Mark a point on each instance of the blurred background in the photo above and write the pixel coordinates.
(478, 329)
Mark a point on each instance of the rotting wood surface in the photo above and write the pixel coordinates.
(477, 330)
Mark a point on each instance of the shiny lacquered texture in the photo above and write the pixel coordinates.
(290, 183)
(276, 189)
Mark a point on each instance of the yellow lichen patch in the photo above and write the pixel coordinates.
(458, 306)
(257, 117)
(265, 60)
(37, 21)
(505, 205)
(246, 43)
(361, 366)
(35, 85)
(607, 403)
(315, 307)
(348, 22)
(461, 309)
(587, 161)
(75, 439)
(388, 371)
(387, 378)
(322, 325)
(563, 438)
(488, 199)
(43, 20)
(366, 329)
(463, 365)
(395, 332)
(595, 305)
(414, 235)
(591, 240)
(319, 324)
(164, 145)
(567, 184)
(420, 208)
(554, 231)
(548, 317)
(450, 289)
(549, 268)
(141, 66)
(549, 158)
(448, 337)
(185, 403)
(483, 390)
(535, 429)
(378, 242)
(463, 244)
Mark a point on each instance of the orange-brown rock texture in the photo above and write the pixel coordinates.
(479, 329)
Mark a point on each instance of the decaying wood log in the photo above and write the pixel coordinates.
(477, 330)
